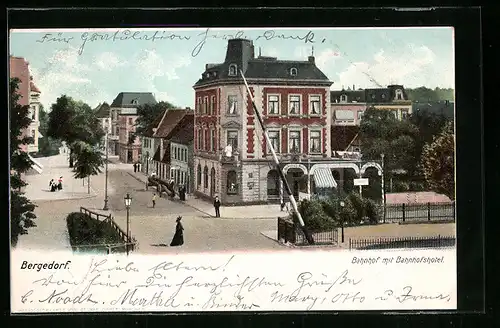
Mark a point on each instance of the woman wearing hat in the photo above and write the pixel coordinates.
(178, 239)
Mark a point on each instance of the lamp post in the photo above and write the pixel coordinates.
(128, 202)
(383, 183)
(342, 218)
(105, 208)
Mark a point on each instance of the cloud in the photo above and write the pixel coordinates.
(410, 66)
(326, 58)
(302, 52)
(64, 73)
(152, 65)
(108, 61)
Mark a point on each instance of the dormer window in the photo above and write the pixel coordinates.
(343, 98)
(232, 70)
(399, 94)
(134, 101)
(293, 71)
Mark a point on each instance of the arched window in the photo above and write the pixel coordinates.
(205, 177)
(198, 175)
(232, 70)
(232, 183)
(273, 183)
(293, 71)
(343, 98)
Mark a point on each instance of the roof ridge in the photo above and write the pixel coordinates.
(161, 121)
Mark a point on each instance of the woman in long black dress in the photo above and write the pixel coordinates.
(178, 239)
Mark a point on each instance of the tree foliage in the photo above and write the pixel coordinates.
(88, 160)
(72, 121)
(438, 162)
(423, 94)
(382, 133)
(327, 214)
(21, 209)
(147, 114)
(47, 146)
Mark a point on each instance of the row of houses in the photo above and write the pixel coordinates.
(218, 148)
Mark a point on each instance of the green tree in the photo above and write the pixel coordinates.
(22, 214)
(438, 162)
(382, 133)
(424, 94)
(46, 146)
(72, 121)
(88, 161)
(147, 113)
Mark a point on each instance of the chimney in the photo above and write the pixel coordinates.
(311, 59)
(353, 87)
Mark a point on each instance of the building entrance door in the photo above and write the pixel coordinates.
(129, 156)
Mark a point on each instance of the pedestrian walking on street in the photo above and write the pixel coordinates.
(154, 200)
(135, 167)
(59, 184)
(178, 239)
(217, 207)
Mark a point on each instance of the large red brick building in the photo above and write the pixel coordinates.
(231, 157)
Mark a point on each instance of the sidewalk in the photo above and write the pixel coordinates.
(227, 212)
(53, 168)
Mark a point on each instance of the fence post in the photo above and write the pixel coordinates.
(428, 211)
(404, 212)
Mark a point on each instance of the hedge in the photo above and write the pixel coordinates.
(84, 230)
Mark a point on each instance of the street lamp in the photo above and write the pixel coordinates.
(383, 183)
(105, 208)
(128, 202)
(342, 218)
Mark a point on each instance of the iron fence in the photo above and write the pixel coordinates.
(108, 219)
(401, 242)
(104, 249)
(288, 232)
(420, 212)
(320, 237)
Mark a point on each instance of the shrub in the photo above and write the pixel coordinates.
(371, 211)
(84, 230)
(314, 216)
(401, 186)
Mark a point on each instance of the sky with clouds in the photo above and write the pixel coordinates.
(95, 65)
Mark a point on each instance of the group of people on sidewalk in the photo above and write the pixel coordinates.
(137, 167)
(53, 186)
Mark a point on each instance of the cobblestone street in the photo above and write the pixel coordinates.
(152, 227)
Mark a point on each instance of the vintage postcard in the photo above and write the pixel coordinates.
(207, 169)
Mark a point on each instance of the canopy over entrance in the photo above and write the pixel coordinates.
(323, 178)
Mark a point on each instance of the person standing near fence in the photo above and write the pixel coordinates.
(154, 200)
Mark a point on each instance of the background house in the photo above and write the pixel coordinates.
(103, 114)
(181, 153)
(160, 164)
(126, 103)
(150, 144)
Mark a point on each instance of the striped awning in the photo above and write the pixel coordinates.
(323, 178)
